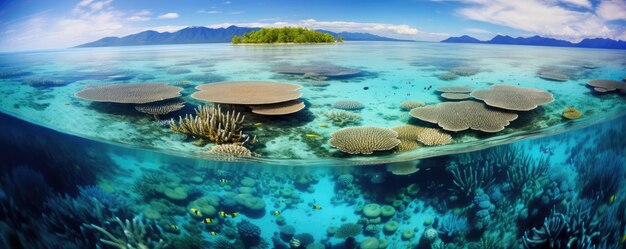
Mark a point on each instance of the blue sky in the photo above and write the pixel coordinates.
(41, 24)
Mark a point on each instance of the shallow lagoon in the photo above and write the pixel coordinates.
(40, 86)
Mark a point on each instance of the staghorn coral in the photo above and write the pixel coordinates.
(230, 151)
(526, 171)
(463, 115)
(135, 93)
(513, 98)
(348, 230)
(161, 107)
(410, 104)
(452, 224)
(247, 92)
(133, 235)
(364, 139)
(455, 96)
(282, 108)
(348, 105)
(552, 234)
(210, 124)
(603, 86)
(343, 118)
(454, 89)
(469, 178)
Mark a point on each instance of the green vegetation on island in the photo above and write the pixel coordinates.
(285, 35)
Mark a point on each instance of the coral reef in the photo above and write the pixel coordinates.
(454, 89)
(349, 105)
(135, 235)
(364, 139)
(247, 92)
(342, 118)
(603, 86)
(410, 104)
(455, 96)
(348, 230)
(135, 93)
(230, 151)
(463, 115)
(282, 108)
(447, 76)
(513, 98)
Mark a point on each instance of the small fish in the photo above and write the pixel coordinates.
(207, 221)
(612, 199)
(223, 180)
(623, 238)
(174, 227)
(235, 214)
(317, 207)
(195, 211)
(213, 233)
(222, 213)
(280, 201)
(276, 213)
(311, 135)
(258, 124)
(323, 125)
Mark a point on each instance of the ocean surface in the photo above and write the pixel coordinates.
(83, 174)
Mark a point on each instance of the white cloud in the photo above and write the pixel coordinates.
(612, 10)
(141, 16)
(84, 24)
(170, 15)
(401, 31)
(543, 17)
(209, 11)
(236, 12)
(169, 28)
(477, 31)
(226, 2)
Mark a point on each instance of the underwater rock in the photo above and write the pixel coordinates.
(177, 70)
(571, 113)
(287, 232)
(304, 238)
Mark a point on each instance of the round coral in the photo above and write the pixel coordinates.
(372, 210)
(369, 243)
(571, 113)
(391, 227)
(364, 139)
(348, 230)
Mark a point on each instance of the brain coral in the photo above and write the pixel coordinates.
(348, 230)
(513, 97)
(348, 105)
(364, 139)
(230, 150)
(136, 93)
(606, 85)
(463, 115)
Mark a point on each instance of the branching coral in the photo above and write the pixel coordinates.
(469, 178)
(526, 171)
(452, 224)
(135, 235)
(552, 233)
(210, 124)
(343, 118)
(230, 151)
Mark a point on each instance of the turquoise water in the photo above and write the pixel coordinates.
(71, 167)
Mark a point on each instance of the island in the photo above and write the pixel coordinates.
(285, 35)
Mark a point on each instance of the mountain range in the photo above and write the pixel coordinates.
(206, 35)
(542, 41)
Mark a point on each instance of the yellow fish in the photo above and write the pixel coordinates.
(222, 213)
(223, 180)
(276, 213)
(235, 214)
(623, 238)
(317, 207)
(207, 221)
(311, 135)
(612, 199)
(213, 233)
(258, 124)
(323, 125)
(195, 211)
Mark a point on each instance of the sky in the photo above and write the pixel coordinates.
(44, 24)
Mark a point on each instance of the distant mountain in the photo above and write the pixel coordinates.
(542, 41)
(204, 35)
(186, 35)
(354, 36)
(462, 39)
